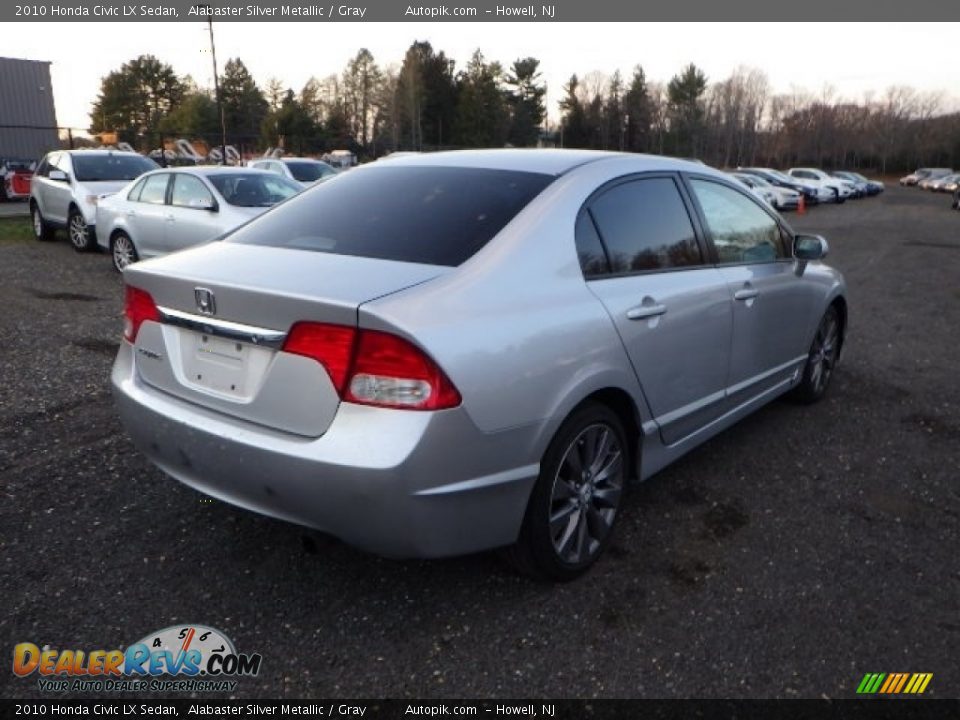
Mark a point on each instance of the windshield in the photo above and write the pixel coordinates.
(309, 171)
(430, 215)
(97, 168)
(253, 189)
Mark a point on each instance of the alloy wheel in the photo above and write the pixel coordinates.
(78, 231)
(823, 354)
(586, 493)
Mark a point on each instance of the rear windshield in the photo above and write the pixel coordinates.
(309, 171)
(93, 168)
(431, 215)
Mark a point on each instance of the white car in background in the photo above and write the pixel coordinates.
(305, 171)
(842, 189)
(175, 208)
(68, 184)
(780, 198)
(756, 188)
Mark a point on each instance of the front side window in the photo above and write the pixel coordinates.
(154, 189)
(644, 226)
(742, 231)
(430, 215)
(189, 191)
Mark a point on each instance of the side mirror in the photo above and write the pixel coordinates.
(58, 175)
(810, 247)
(204, 204)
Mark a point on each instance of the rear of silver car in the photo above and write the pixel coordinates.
(284, 393)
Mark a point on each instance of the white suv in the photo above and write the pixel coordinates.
(843, 188)
(65, 188)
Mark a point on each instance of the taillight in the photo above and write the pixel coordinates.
(138, 306)
(329, 345)
(388, 371)
(374, 368)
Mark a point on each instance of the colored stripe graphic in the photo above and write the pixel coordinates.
(894, 683)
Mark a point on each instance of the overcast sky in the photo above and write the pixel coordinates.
(852, 57)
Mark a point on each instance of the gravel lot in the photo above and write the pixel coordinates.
(787, 557)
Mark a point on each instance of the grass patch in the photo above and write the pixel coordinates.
(15, 230)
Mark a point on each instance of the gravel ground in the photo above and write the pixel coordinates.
(785, 558)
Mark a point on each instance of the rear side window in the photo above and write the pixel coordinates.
(593, 259)
(431, 215)
(155, 189)
(645, 226)
(137, 189)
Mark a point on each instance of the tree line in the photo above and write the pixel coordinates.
(425, 104)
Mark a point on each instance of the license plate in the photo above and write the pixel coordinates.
(219, 365)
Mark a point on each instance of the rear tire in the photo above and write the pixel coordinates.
(80, 236)
(821, 360)
(122, 251)
(41, 230)
(576, 499)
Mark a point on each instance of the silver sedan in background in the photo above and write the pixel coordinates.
(171, 209)
(305, 171)
(458, 351)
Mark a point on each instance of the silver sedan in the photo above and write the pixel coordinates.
(168, 210)
(459, 351)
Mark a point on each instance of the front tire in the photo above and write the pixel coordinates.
(822, 359)
(41, 230)
(123, 251)
(80, 236)
(576, 499)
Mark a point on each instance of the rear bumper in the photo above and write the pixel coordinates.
(396, 483)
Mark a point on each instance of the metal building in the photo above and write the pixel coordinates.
(28, 120)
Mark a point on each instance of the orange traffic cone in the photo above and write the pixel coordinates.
(801, 205)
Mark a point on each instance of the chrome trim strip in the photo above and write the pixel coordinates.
(264, 337)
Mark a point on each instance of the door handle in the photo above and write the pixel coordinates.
(170, 217)
(641, 312)
(746, 294)
(131, 213)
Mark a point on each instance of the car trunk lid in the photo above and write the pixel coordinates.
(225, 312)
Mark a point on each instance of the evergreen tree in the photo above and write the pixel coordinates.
(526, 100)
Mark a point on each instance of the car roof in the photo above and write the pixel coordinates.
(208, 169)
(300, 159)
(546, 161)
(95, 152)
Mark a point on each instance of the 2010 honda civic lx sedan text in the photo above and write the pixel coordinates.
(471, 350)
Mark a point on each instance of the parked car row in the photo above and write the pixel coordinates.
(783, 190)
(127, 204)
(944, 180)
(923, 174)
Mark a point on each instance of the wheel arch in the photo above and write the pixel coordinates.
(623, 405)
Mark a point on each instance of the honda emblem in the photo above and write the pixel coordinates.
(206, 305)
